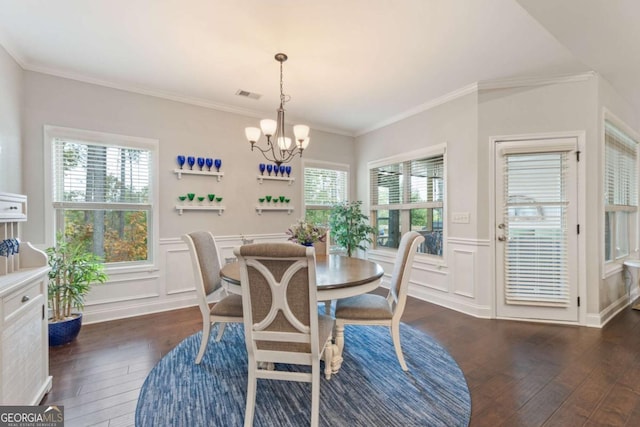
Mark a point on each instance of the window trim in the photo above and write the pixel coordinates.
(431, 151)
(320, 164)
(50, 132)
(614, 264)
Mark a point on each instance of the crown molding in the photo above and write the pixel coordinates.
(534, 81)
(458, 93)
(9, 48)
(200, 102)
(476, 87)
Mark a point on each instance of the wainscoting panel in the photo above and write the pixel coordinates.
(463, 272)
(179, 277)
(170, 286)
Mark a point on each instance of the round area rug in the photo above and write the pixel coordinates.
(370, 390)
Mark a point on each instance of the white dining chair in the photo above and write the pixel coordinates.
(373, 309)
(281, 319)
(205, 259)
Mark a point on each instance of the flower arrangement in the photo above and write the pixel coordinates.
(306, 234)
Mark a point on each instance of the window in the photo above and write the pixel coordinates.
(103, 193)
(324, 186)
(409, 195)
(621, 191)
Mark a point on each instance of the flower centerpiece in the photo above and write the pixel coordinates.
(306, 234)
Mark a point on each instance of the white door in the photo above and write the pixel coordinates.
(536, 229)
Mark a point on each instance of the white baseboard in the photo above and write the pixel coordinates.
(97, 315)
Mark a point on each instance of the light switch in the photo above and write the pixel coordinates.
(460, 217)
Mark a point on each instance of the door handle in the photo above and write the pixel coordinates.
(502, 238)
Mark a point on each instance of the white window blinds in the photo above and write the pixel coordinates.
(621, 174)
(535, 213)
(95, 175)
(324, 187)
(419, 183)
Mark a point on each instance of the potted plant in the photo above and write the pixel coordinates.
(73, 271)
(306, 234)
(349, 227)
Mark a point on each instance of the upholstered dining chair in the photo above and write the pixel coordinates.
(205, 260)
(281, 319)
(373, 309)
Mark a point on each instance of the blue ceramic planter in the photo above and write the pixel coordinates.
(64, 332)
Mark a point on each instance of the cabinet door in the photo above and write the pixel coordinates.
(22, 349)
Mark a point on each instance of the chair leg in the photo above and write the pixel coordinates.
(395, 334)
(221, 327)
(251, 394)
(315, 393)
(206, 330)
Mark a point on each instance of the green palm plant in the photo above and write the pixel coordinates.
(73, 271)
(349, 227)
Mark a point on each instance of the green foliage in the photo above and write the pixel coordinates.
(319, 217)
(305, 233)
(73, 271)
(348, 226)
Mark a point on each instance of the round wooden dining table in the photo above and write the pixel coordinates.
(336, 276)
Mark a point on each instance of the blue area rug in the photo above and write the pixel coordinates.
(370, 390)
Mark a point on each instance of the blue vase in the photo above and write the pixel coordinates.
(306, 243)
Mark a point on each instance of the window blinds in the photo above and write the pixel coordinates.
(414, 182)
(324, 187)
(93, 175)
(621, 153)
(535, 215)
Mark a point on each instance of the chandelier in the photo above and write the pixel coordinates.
(279, 148)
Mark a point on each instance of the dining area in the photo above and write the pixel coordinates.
(285, 308)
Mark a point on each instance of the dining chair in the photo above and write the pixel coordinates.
(205, 259)
(281, 319)
(373, 309)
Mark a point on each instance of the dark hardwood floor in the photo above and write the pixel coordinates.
(519, 374)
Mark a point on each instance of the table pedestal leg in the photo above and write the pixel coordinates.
(336, 363)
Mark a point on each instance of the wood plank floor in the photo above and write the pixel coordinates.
(519, 374)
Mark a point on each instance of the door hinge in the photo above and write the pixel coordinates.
(578, 228)
(578, 156)
(578, 301)
(43, 311)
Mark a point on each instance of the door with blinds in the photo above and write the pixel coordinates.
(536, 229)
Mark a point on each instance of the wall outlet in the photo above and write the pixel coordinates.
(460, 217)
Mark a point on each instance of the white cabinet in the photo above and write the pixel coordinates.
(24, 337)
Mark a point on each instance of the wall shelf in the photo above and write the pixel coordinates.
(181, 208)
(287, 209)
(261, 178)
(180, 172)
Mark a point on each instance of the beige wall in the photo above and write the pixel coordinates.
(11, 84)
(547, 109)
(181, 129)
(460, 280)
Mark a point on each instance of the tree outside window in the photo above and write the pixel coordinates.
(102, 196)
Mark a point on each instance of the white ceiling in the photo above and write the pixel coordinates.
(352, 64)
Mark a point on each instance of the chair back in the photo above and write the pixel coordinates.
(322, 248)
(279, 299)
(402, 269)
(206, 262)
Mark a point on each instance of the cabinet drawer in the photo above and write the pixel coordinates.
(12, 208)
(21, 298)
